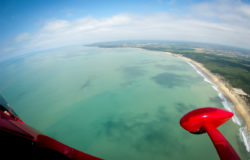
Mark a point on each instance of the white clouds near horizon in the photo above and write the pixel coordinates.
(219, 22)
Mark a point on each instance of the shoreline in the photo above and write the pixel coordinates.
(239, 104)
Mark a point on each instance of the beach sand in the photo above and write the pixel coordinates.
(239, 103)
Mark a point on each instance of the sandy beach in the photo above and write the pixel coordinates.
(239, 104)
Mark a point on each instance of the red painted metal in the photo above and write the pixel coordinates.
(39, 146)
(35, 144)
(207, 120)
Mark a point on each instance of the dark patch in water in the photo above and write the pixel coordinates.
(128, 83)
(170, 67)
(23, 93)
(170, 80)
(133, 71)
(146, 132)
(184, 108)
(215, 99)
(162, 114)
(86, 84)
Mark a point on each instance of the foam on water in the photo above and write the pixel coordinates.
(206, 79)
(245, 137)
(228, 105)
(215, 88)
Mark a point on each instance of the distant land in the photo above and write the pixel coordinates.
(231, 64)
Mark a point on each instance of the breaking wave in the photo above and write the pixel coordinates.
(245, 137)
(228, 105)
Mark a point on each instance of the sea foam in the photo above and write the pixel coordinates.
(228, 105)
(245, 137)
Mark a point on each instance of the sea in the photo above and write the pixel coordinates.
(117, 103)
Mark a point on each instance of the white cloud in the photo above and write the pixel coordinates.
(22, 37)
(216, 22)
(227, 11)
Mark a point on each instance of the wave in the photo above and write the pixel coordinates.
(205, 78)
(245, 137)
(228, 105)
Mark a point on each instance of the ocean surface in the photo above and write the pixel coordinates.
(115, 103)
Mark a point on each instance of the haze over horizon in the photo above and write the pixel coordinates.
(27, 26)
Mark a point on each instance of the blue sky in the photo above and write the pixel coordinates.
(18, 16)
(29, 25)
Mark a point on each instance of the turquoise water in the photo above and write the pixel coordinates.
(113, 103)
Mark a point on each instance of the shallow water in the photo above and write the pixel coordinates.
(114, 103)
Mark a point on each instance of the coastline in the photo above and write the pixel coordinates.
(239, 104)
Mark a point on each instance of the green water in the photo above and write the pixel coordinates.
(113, 103)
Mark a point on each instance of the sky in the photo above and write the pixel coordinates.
(33, 25)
